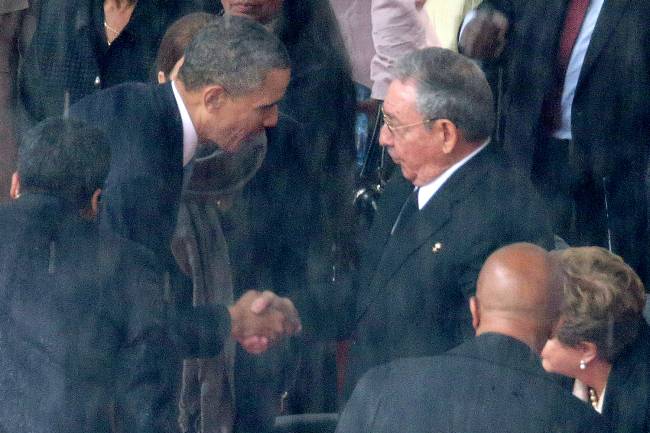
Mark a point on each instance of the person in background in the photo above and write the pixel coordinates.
(574, 114)
(303, 245)
(602, 339)
(82, 46)
(12, 14)
(491, 383)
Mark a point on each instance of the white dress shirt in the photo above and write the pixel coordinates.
(427, 191)
(190, 138)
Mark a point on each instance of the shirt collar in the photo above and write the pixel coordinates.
(427, 191)
(190, 137)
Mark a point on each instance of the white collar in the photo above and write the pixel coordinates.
(427, 191)
(580, 390)
(190, 138)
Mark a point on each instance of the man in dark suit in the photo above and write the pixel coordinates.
(576, 75)
(85, 325)
(226, 92)
(426, 247)
(493, 383)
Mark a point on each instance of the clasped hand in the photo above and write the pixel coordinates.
(260, 319)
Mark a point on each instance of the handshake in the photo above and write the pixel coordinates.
(259, 319)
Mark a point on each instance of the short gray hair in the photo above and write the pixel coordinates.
(234, 52)
(450, 86)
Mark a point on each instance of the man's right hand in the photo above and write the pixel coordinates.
(484, 36)
(258, 320)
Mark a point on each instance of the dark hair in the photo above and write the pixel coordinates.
(450, 86)
(234, 52)
(64, 157)
(603, 301)
(177, 37)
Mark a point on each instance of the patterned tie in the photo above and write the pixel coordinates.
(575, 15)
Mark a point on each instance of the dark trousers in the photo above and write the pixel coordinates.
(588, 206)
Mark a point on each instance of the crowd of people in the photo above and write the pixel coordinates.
(182, 247)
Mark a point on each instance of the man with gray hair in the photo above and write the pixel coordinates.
(226, 93)
(455, 201)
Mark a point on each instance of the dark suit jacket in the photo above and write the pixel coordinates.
(610, 114)
(493, 383)
(412, 297)
(68, 51)
(141, 199)
(142, 191)
(84, 327)
(627, 398)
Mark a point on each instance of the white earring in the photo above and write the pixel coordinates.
(583, 364)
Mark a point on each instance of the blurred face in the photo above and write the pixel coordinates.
(233, 119)
(261, 11)
(410, 142)
(559, 358)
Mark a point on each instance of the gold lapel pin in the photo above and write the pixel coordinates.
(436, 247)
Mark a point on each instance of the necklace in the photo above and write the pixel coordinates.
(593, 397)
(112, 30)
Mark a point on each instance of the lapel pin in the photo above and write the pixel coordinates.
(436, 247)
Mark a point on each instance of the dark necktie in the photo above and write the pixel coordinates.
(575, 15)
(409, 208)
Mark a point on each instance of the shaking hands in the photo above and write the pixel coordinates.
(260, 319)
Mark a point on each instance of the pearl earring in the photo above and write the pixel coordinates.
(583, 364)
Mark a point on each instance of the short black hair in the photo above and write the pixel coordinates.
(234, 52)
(64, 157)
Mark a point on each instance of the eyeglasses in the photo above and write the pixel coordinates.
(392, 128)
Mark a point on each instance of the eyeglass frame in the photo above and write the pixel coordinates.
(392, 129)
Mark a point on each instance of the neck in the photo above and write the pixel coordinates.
(596, 375)
(519, 329)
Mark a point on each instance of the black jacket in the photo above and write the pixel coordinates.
(492, 383)
(414, 286)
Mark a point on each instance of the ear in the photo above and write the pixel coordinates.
(162, 79)
(14, 191)
(473, 308)
(450, 135)
(213, 97)
(94, 204)
(589, 351)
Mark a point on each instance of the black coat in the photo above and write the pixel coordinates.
(627, 396)
(492, 383)
(610, 118)
(68, 51)
(413, 291)
(83, 325)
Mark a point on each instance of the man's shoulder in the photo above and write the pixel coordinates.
(121, 100)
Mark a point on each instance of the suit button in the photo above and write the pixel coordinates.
(98, 82)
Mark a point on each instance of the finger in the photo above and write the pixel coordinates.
(255, 344)
(263, 302)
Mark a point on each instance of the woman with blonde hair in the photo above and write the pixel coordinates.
(602, 339)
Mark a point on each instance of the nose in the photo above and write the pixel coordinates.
(271, 117)
(385, 136)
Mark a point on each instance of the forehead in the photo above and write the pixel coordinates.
(272, 89)
(400, 100)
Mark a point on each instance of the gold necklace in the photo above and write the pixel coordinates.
(112, 30)
(593, 397)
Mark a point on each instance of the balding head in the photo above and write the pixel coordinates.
(518, 294)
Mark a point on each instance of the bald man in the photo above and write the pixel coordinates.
(493, 383)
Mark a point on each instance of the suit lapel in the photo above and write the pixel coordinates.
(607, 22)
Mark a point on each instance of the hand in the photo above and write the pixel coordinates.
(484, 37)
(260, 319)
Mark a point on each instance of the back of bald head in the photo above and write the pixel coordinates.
(518, 294)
